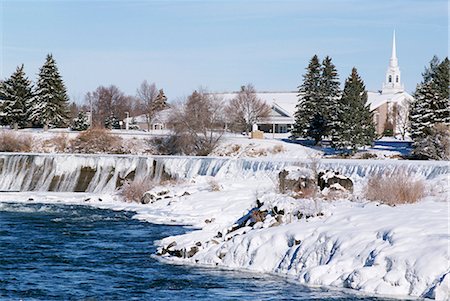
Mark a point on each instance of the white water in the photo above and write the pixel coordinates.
(102, 173)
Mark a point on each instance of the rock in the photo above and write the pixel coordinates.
(147, 198)
(334, 181)
(30, 199)
(198, 244)
(296, 179)
(191, 252)
(172, 244)
(185, 193)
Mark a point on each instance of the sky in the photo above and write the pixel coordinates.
(216, 44)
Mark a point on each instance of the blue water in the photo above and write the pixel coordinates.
(62, 252)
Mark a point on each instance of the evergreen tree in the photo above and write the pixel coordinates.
(442, 83)
(80, 123)
(50, 103)
(160, 102)
(112, 122)
(330, 95)
(431, 100)
(15, 92)
(309, 96)
(318, 95)
(430, 71)
(355, 126)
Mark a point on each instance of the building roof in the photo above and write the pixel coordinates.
(376, 99)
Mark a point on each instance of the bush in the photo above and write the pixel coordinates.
(60, 143)
(132, 191)
(394, 189)
(94, 141)
(214, 185)
(163, 145)
(12, 142)
(80, 123)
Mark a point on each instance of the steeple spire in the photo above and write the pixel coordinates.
(392, 83)
(393, 62)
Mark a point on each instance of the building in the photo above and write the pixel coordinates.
(389, 104)
(158, 122)
(385, 104)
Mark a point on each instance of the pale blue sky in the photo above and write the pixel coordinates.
(181, 45)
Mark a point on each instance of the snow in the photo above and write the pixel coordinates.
(377, 249)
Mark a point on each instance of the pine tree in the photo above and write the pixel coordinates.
(422, 113)
(50, 103)
(355, 121)
(309, 95)
(430, 71)
(80, 123)
(442, 82)
(430, 112)
(16, 92)
(431, 103)
(318, 96)
(160, 102)
(330, 95)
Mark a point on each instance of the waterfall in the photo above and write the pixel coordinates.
(105, 173)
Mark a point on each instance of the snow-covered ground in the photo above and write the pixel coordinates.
(232, 145)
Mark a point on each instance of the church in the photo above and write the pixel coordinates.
(388, 104)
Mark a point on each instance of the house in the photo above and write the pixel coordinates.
(158, 122)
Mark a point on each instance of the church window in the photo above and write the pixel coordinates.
(396, 79)
(390, 79)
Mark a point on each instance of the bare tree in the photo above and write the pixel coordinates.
(402, 117)
(246, 109)
(106, 102)
(151, 101)
(198, 123)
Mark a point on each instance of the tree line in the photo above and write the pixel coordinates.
(46, 103)
(324, 111)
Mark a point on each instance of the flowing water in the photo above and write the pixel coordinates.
(64, 252)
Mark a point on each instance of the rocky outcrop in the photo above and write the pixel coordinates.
(334, 181)
(296, 179)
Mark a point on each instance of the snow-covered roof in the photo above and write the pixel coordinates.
(160, 117)
(377, 99)
(284, 100)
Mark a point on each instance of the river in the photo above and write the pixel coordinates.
(66, 252)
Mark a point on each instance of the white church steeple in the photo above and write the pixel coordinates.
(392, 83)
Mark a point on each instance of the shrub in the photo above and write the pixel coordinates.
(81, 122)
(60, 142)
(12, 142)
(132, 191)
(367, 156)
(394, 189)
(214, 185)
(277, 149)
(94, 141)
(163, 145)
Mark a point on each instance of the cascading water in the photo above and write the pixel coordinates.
(105, 173)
